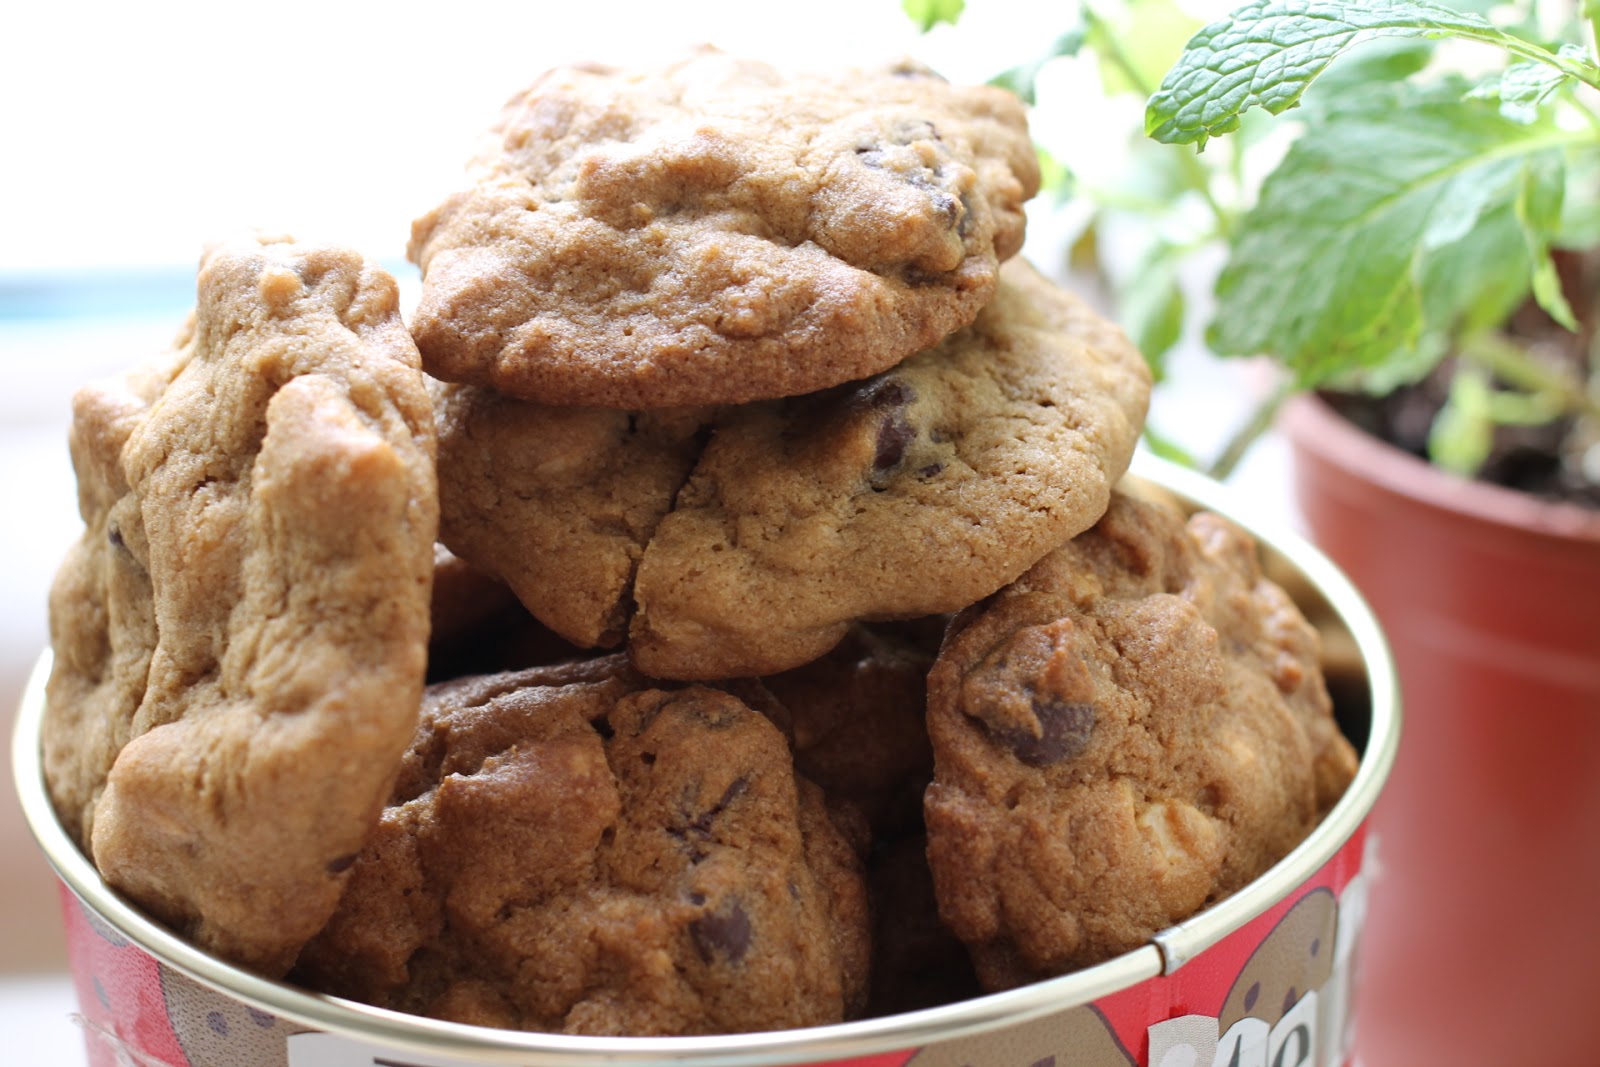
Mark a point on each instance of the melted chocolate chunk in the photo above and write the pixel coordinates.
(894, 434)
(725, 935)
(889, 399)
(1065, 728)
(342, 864)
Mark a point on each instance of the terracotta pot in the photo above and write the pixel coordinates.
(1484, 935)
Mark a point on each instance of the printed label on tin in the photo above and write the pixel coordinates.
(1276, 992)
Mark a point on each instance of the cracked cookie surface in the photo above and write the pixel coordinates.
(559, 502)
(1134, 729)
(240, 635)
(572, 849)
(717, 231)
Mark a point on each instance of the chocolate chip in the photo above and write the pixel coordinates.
(726, 935)
(881, 393)
(696, 832)
(342, 864)
(114, 535)
(888, 398)
(1064, 728)
(894, 434)
(930, 470)
(967, 218)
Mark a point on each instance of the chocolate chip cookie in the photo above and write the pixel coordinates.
(480, 627)
(573, 849)
(1131, 731)
(858, 716)
(717, 231)
(240, 633)
(915, 492)
(559, 502)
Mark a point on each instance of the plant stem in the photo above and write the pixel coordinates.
(1110, 48)
(1512, 364)
(1259, 422)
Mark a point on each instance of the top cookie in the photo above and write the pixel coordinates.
(718, 232)
(240, 633)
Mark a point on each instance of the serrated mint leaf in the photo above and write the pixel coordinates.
(1337, 267)
(929, 13)
(1266, 53)
(1520, 89)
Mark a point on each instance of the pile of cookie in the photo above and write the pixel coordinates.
(717, 610)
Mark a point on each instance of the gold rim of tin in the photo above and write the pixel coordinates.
(432, 1037)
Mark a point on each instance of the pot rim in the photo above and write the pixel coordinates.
(1312, 424)
(1167, 951)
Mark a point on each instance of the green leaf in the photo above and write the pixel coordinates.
(1169, 449)
(1579, 226)
(1023, 79)
(1151, 306)
(1266, 53)
(929, 13)
(1462, 433)
(1359, 244)
(1137, 41)
(1539, 209)
(1055, 177)
(1520, 89)
(1476, 282)
(1373, 64)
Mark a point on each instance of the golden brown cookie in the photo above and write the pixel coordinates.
(572, 849)
(717, 231)
(1133, 730)
(479, 626)
(559, 502)
(917, 962)
(859, 716)
(913, 493)
(240, 634)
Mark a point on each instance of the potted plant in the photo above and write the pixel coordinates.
(1420, 265)
(1423, 264)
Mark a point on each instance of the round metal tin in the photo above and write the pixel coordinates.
(1164, 1003)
